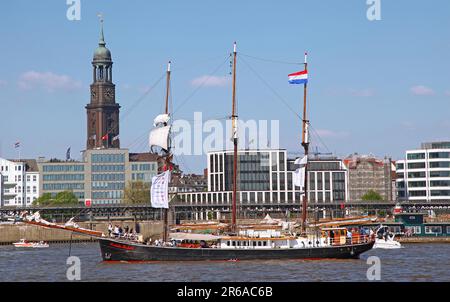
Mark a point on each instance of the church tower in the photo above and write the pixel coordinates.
(102, 111)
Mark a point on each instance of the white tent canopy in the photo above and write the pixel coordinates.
(193, 236)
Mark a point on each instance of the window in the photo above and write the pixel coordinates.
(433, 229)
(439, 173)
(416, 174)
(413, 156)
(439, 154)
(440, 183)
(413, 229)
(416, 165)
(440, 164)
(400, 166)
(417, 193)
(416, 184)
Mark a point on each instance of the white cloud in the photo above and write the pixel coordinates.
(3, 83)
(48, 81)
(210, 81)
(331, 134)
(421, 90)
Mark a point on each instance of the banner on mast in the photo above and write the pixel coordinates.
(159, 191)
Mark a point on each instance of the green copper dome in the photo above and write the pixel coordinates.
(102, 53)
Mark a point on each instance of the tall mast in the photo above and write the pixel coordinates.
(235, 142)
(167, 88)
(305, 144)
(167, 158)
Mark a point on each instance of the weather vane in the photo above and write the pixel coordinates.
(100, 17)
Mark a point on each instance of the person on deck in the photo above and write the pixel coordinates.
(110, 229)
(349, 237)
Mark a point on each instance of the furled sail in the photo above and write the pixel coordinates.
(160, 190)
(299, 174)
(301, 161)
(161, 119)
(159, 137)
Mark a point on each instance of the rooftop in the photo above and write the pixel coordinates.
(436, 145)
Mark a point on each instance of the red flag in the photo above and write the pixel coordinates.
(105, 137)
(342, 206)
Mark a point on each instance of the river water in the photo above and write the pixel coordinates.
(414, 262)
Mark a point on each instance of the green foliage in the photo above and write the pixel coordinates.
(372, 195)
(61, 199)
(137, 192)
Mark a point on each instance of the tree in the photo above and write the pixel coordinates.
(137, 192)
(372, 195)
(61, 199)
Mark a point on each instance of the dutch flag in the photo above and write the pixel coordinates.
(300, 77)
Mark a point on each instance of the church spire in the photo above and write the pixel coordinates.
(102, 110)
(102, 37)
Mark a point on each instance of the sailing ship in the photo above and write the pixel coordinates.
(238, 243)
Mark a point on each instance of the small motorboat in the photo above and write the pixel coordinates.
(25, 243)
(385, 240)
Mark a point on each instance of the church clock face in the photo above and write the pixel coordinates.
(109, 93)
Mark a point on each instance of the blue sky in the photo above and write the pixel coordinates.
(376, 87)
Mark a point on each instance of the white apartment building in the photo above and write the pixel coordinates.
(19, 182)
(425, 173)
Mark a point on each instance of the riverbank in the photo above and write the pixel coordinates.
(10, 233)
(442, 239)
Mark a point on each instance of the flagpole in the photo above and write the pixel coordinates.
(305, 144)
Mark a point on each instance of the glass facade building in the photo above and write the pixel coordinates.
(266, 177)
(101, 176)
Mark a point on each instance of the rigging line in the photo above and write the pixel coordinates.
(270, 88)
(142, 97)
(271, 60)
(134, 105)
(138, 139)
(320, 139)
(200, 86)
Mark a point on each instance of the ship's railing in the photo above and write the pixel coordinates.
(354, 239)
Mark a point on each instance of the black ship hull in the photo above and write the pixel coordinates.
(116, 250)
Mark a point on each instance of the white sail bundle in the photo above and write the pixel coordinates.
(161, 119)
(160, 190)
(159, 137)
(299, 174)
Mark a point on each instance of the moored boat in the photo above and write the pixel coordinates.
(28, 244)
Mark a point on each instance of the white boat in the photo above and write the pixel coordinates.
(385, 240)
(25, 243)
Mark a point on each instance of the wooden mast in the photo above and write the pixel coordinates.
(235, 143)
(167, 158)
(305, 144)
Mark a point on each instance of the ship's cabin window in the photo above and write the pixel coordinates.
(233, 243)
(259, 243)
(228, 242)
(254, 242)
(264, 243)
